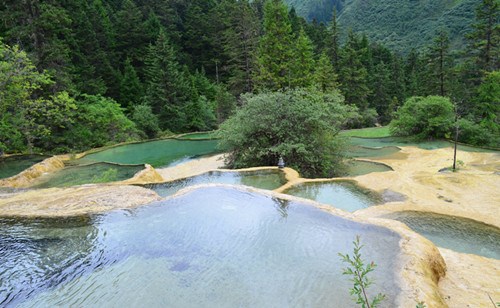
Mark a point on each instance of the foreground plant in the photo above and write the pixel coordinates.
(359, 272)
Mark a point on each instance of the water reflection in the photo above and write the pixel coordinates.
(211, 247)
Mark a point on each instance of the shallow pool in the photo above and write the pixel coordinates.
(160, 153)
(87, 174)
(12, 165)
(344, 195)
(264, 179)
(213, 247)
(360, 167)
(455, 233)
(362, 151)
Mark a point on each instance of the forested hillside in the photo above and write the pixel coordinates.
(400, 25)
(81, 74)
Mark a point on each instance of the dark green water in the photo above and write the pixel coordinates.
(87, 174)
(12, 165)
(357, 167)
(213, 247)
(159, 153)
(264, 179)
(455, 233)
(340, 194)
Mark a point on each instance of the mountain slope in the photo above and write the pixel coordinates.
(399, 24)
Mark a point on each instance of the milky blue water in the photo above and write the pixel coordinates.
(213, 247)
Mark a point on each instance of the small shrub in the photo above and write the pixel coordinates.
(359, 271)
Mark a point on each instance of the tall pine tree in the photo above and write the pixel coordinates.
(275, 52)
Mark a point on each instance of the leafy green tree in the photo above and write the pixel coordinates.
(99, 121)
(43, 29)
(299, 125)
(19, 109)
(275, 52)
(424, 117)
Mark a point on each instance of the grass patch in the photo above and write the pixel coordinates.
(370, 132)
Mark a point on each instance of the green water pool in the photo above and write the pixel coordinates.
(360, 167)
(264, 179)
(87, 174)
(12, 165)
(344, 195)
(160, 153)
(212, 247)
(455, 233)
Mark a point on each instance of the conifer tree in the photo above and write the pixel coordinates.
(439, 65)
(324, 76)
(275, 52)
(353, 74)
(484, 40)
(131, 91)
(130, 39)
(167, 87)
(333, 41)
(303, 62)
(240, 40)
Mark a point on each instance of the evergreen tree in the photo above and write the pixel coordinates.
(275, 52)
(413, 74)
(324, 76)
(240, 40)
(484, 40)
(439, 65)
(303, 62)
(131, 41)
(131, 90)
(333, 41)
(353, 74)
(167, 87)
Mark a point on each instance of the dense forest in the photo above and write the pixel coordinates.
(82, 74)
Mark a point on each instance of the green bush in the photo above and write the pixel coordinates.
(299, 125)
(477, 134)
(99, 121)
(146, 121)
(424, 117)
